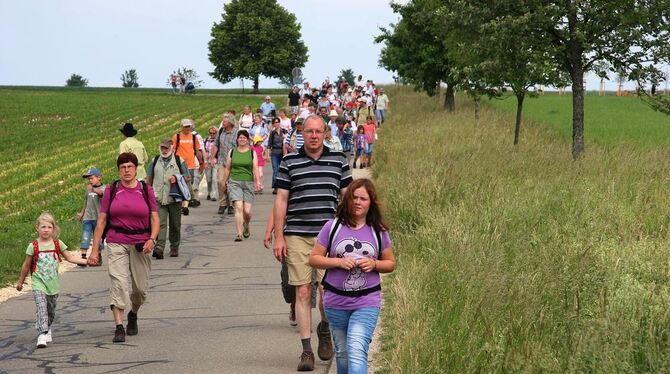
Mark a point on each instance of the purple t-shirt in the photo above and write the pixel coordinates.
(356, 244)
(129, 211)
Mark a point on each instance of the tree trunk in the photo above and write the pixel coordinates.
(478, 103)
(449, 101)
(577, 76)
(256, 84)
(519, 110)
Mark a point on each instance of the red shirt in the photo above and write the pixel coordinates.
(370, 130)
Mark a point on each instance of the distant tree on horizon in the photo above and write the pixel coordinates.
(348, 75)
(130, 79)
(254, 38)
(76, 80)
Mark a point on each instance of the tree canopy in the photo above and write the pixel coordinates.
(129, 79)
(76, 80)
(254, 38)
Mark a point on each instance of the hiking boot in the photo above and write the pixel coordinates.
(306, 361)
(325, 350)
(222, 210)
(158, 255)
(184, 210)
(194, 203)
(42, 340)
(231, 211)
(131, 328)
(238, 238)
(119, 335)
(246, 232)
(174, 253)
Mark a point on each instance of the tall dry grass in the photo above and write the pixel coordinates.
(518, 259)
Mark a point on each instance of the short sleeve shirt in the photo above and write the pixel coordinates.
(45, 277)
(187, 149)
(129, 211)
(314, 189)
(356, 244)
(92, 204)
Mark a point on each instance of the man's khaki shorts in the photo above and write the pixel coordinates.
(298, 249)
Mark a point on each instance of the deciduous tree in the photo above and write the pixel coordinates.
(76, 80)
(254, 38)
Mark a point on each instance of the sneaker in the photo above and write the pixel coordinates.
(83, 257)
(246, 232)
(131, 328)
(158, 255)
(306, 361)
(231, 210)
(119, 335)
(213, 199)
(194, 203)
(208, 197)
(184, 210)
(325, 350)
(238, 238)
(222, 210)
(174, 253)
(42, 340)
(291, 317)
(49, 339)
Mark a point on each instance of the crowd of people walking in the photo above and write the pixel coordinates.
(326, 228)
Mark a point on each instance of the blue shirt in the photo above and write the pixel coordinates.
(267, 108)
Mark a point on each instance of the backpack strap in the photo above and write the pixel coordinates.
(334, 229)
(378, 236)
(153, 167)
(195, 150)
(112, 193)
(36, 253)
(57, 250)
(177, 146)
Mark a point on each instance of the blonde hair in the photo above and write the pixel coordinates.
(48, 218)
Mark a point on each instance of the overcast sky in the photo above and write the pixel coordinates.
(44, 41)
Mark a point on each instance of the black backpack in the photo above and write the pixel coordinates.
(153, 166)
(108, 225)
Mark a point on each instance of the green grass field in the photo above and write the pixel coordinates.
(52, 135)
(609, 120)
(519, 259)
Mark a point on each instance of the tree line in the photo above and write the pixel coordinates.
(483, 47)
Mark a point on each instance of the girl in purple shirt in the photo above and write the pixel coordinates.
(354, 248)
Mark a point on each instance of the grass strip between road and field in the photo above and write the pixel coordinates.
(519, 259)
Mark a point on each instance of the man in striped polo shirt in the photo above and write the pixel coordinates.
(309, 185)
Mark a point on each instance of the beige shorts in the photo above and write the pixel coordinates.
(127, 266)
(298, 249)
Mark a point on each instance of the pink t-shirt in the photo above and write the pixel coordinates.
(128, 211)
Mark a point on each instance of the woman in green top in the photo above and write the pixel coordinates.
(241, 178)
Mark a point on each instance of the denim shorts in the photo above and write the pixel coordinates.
(87, 229)
(369, 150)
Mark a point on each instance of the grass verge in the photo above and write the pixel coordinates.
(518, 259)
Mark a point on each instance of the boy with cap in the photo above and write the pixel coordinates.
(89, 212)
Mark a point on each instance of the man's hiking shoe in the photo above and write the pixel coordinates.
(306, 361)
(184, 210)
(222, 210)
(131, 328)
(174, 253)
(119, 335)
(238, 238)
(42, 340)
(157, 255)
(325, 350)
(246, 233)
(231, 211)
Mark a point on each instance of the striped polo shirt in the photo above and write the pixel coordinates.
(314, 189)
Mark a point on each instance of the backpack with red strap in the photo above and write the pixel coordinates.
(36, 252)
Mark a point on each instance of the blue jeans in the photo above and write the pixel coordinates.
(87, 229)
(352, 333)
(276, 160)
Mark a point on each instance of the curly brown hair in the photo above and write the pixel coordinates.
(374, 217)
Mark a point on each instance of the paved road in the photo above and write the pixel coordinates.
(216, 308)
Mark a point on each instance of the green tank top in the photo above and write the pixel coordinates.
(241, 166)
